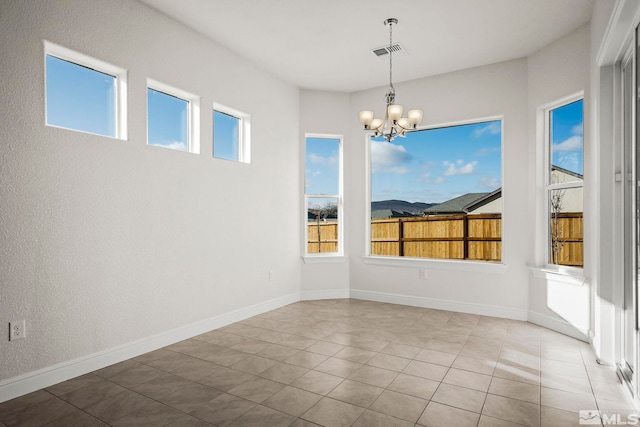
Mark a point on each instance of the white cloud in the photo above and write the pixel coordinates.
(174, 145)
(389, 158)
(569, 161)
(489, 182)
(319, 160)
(462, 169)
(573, 143)
(487, 151)
(425, 177)
(492, 128)
(577, 129)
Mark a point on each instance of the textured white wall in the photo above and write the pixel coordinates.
(107, 241)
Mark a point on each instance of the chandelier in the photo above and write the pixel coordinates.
(393, 123)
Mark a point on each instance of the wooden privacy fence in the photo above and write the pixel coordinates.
(322, 237)
(570, 237)
(470, 237)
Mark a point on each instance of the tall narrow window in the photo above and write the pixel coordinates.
(231, 130)
(323, 195)
(83, 93)
(564, 183)
(171, 118)
(437, 193)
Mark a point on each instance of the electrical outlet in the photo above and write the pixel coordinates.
(422, 273)
(16, 330)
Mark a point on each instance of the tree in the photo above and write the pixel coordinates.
(328, 210)
(555, 207)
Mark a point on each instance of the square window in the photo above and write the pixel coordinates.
(171, 118)
(230, 134)
(83, 93)
(437, 193)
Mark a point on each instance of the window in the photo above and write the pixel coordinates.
(83, 93)
(323, 195)
(437, 193)
(564, 183)
(231, 129)
(172, 118)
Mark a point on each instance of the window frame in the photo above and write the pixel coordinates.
(244, 132)
(80, 59)
(548, 186)
(321, 257)
(496, 267)
(193, 113)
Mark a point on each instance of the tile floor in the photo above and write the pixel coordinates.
(340, 363)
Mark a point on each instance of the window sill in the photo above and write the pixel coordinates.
(571, 276)
(444, 264)
(324, 259)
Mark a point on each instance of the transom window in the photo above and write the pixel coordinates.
(172, 118)
(231, 130)
(83, 93)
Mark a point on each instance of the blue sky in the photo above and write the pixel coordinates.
(80, 98)
(436, 165)
(567, 137)
(167, 120)
(225, 136)
(322, 174)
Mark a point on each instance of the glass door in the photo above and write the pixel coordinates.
(629, 179)
(627, 364)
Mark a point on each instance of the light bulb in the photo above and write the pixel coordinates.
(415, 117)
(376, 123)
(366, 117)
(394, 111)
(404, 123)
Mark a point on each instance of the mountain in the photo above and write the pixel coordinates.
(401, 206)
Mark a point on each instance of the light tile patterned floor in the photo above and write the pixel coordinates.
(341, 363)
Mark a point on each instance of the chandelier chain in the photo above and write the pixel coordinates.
(391, 56)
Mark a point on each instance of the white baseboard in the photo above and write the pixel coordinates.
(557, 325)
(324, 294)
(27, 383)
(463, 307)
(32, 381)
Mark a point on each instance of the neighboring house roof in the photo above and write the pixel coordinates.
(465, 203)
(566, 171)
(455, 205)
(488, 198)
(389, 213)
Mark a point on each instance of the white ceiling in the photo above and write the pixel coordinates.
(325, 44)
